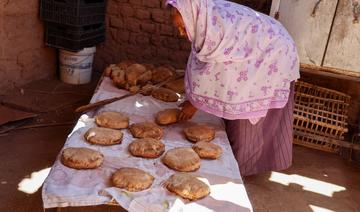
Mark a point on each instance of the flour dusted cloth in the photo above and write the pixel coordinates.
(69, 187)
(242, 61)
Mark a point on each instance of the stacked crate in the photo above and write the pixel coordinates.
(73, 24)
(320, 117)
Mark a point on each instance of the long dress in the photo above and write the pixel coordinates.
(267, 145)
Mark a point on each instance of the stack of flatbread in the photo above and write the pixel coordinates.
(136, 77)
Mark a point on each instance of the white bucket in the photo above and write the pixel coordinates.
(76, 67)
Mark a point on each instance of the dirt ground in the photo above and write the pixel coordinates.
(317, 181)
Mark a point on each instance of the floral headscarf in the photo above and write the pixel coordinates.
(242, 61)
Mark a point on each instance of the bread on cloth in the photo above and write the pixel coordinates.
(147, 89)
(183, 159)
(147, 148)
(81, 158)
(137, 74)
(187, 186)
(161, 74)
(207, 150)
(199, 132)
(103, 136)
(118, 76)
(167, 116)
(177, 86)
(125, 64)
(112, 120)
(132, 179)
(165, 95)
(146, 130)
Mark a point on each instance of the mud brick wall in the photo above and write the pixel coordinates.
(142, 30)
(23, 55)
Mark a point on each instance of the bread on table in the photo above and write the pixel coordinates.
(207, 150)
(165, 95)
(114, 120)
(183, 159)
(187, 186)
(147, 148)
(81, 158)
(146, 130)
(199, 132)
(103, 136)
(168, 116)
(132, 179)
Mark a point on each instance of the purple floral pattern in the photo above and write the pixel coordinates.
(242, 76)
(273, 68)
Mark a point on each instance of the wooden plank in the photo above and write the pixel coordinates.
(309, 22)
(330, 72)
(275, 5)
(344, 44)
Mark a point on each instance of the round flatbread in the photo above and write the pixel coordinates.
(118, 76)
(125, 64)
(132, 179)
(81, 158)
(147, 148)
(112, 120)
(165, 95)
(161, 74)
(146, 130)
(199, 133)
(103, 136)
(207, 150)
(168, 116)
(187, 186)
(182, 159)
(176, 85)
(137, 74)
(147, 90)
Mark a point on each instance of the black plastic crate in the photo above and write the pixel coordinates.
(72, 45)
(63, 13)
(78, 2)
(75, 33)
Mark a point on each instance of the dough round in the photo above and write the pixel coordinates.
(187, 186)
(81, 158)
(125, 64)
(198, 133)
(183, 159)
(103, 136)
(149, 67)
(161, 74)
(165, 95)
(147, 90)
(147, 148)
(112, 120)
(176, 85)
(132, 179)
(137, 74)
(207, 150)
(168, 116)
(146, 130)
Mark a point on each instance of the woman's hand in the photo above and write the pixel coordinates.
(187, 111)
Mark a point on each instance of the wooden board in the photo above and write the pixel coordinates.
(344, 45)
(310, 31)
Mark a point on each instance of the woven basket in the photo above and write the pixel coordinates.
(320, 117)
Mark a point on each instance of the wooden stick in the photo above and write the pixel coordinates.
(101, 103)
(37, 126)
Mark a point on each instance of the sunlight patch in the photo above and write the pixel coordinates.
(308, 184)
(319, 209)
(32, 184)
